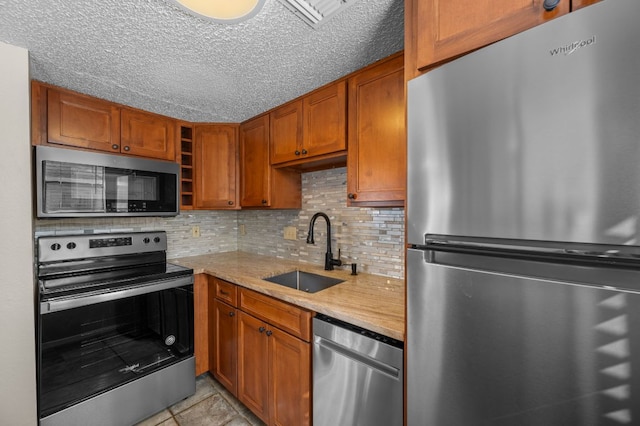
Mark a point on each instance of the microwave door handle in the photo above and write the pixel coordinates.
(104, 189)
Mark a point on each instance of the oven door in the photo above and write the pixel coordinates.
(93, 345)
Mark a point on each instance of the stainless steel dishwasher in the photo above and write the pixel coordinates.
(357, 376)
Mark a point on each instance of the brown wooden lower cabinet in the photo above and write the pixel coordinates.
(266, 368)
(224, 346)
(201, 322)
(273, 373)
(289, 379)
(253, 376)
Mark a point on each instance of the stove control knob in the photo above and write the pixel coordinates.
(146, 240)
(55, 246)
(156, 240)
(71, 245)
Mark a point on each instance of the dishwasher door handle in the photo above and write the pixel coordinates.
(372, 363)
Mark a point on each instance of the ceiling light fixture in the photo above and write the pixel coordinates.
(224, 11)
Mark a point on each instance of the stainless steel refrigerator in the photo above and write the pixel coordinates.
(523, 267)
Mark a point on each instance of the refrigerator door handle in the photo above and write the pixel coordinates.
(496, 246)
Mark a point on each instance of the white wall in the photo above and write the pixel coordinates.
(17, 289)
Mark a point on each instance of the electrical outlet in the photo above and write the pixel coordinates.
(243, 229)
(290, 233)
(195, 231)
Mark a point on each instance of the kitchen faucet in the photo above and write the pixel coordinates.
(329, 261)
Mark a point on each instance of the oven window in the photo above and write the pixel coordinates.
(91, 349)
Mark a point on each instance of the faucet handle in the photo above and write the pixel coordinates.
(337, 261)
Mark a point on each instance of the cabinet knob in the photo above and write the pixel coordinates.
(126, 148)
(115, 146)
(231, 314)
(305, 152)
(352, 196)
(230, 202)
(297, 152)
(261, 329)
(264, 201)
(269, 333)
(549, 5)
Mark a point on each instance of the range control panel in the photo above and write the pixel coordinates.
(80, 246)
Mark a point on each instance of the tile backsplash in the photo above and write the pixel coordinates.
(371, 237)
(218, 230)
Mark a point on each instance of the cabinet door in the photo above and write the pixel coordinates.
(286, 133)
(376, 163)
(224, 348)
(253, 374)
(448, 28)
(254, 160)
(147, 135)
(82, 121)
(216, 166)
(201, 323)
(579, 4)
(325, 118)
(290, 369)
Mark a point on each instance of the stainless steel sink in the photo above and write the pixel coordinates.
(304, 281)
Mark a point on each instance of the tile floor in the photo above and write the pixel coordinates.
(211, 405)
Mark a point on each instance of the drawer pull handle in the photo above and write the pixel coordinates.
(224, 293)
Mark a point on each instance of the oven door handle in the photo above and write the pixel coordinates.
(85, 300)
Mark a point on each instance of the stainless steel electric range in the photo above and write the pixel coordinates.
(115, 328)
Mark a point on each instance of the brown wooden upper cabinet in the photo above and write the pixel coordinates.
(310, 129)
(80, 121)
(261, 184)
(377, 159)
(147, 135)
(215, 169)
(444, 29)
(65, 118)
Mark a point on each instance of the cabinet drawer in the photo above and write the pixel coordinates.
(226, 292)
(293, 320)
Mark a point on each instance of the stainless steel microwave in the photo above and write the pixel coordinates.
(72, 183)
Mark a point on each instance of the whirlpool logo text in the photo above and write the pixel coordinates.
(572, 47)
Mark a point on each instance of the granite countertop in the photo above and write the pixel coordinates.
(370, 301)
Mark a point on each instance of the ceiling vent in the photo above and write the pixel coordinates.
(316, 12)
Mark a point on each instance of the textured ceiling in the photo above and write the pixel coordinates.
(152, 55)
